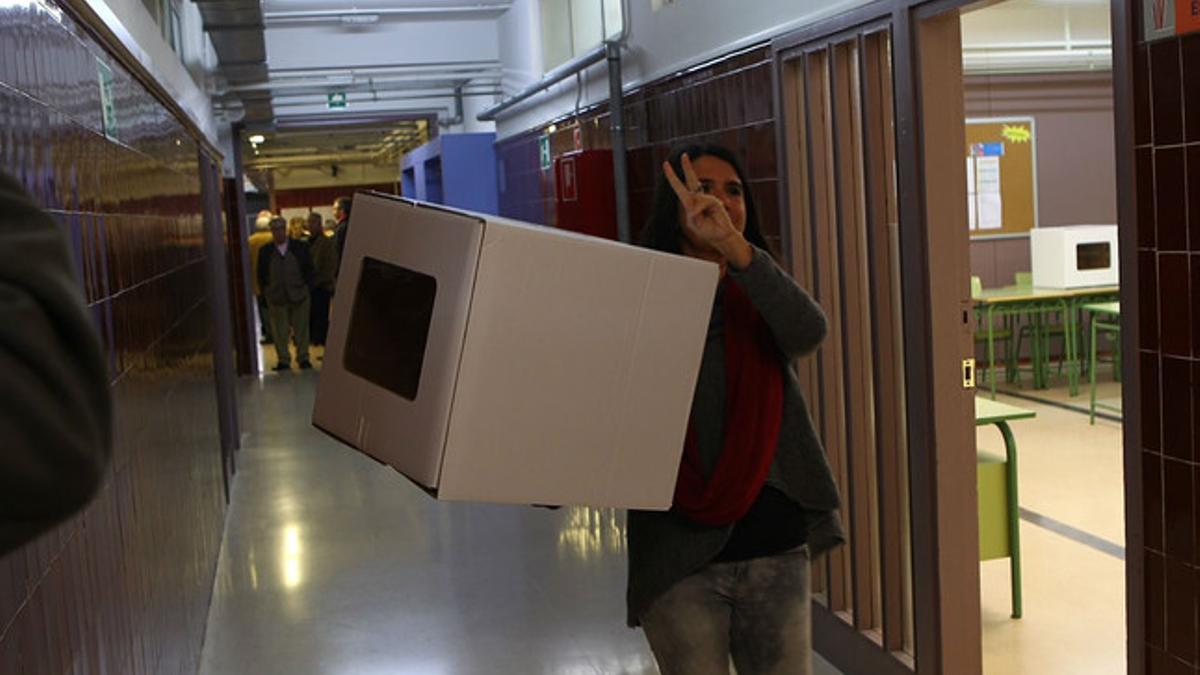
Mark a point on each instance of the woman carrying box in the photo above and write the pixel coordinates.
(725, 573)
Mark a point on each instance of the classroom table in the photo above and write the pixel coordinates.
(1037, 302)
(1001, 486)
(1106, 316)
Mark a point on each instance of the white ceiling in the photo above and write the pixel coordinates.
(1038, 35)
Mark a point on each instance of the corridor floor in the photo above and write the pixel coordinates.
(334, 564)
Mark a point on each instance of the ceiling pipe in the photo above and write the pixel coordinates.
(551, 78)
(383, 99)
(458, 110)
(364, 96)
(562, 72)
(311, 15)
(367, 84)
(616, 119)
(343, 118)
(495, 63)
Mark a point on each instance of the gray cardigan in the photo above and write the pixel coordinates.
(55, 406)
(665, 547)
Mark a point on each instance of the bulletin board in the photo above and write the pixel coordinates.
(1001, 176)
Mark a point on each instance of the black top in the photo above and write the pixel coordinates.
(296, 248)
(773, 524)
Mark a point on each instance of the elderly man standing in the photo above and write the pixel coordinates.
(285, 273)
(258, 239)
(325, 261)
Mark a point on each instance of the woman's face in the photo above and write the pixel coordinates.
(719, 179)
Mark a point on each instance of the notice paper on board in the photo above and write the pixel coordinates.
(991, 204)
(972, 196)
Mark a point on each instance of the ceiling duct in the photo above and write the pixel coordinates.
(236, 30)
(356, 16)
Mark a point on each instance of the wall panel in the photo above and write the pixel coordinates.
(124, 586)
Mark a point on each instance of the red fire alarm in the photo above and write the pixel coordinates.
(584, 197)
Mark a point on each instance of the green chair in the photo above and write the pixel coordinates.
(999, 333)
(1110, 324)
(1041, 352)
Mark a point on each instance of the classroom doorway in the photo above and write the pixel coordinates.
(1036, 142)
(892, 387)
(927, 147)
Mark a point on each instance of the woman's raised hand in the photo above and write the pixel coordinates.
(706, 215)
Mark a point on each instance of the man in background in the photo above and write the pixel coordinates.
(341, 213)
(259, 238)
(285, 273)
(55, 407)
(325, 262)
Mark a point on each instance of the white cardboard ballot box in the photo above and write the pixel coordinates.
(490, 360)
(1074, 256)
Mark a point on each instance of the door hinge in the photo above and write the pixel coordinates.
(968, 372)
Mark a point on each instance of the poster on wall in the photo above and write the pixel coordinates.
(1187, 16)
(108, 108)
(1168, 18)
(1001, 177)
(991, 203)
(972, 196)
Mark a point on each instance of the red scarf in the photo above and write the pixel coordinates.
(753, 412)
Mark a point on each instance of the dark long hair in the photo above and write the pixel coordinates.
(662, 231)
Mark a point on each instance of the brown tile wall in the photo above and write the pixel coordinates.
(124, 586)
(728, 102)
(1167, 169)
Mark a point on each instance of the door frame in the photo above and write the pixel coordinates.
(1124, 30)
(938, 623)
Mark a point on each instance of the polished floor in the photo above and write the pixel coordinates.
(333, 564)
(1072, 538)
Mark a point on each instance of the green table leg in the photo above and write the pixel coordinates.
(1039, 370)
(1092, 375)
(1117, 358)
(991, 342)
(1074, 363)
(1097, 326)
(1014, 518)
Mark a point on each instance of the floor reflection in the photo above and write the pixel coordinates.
(335, 564)
(590, 533)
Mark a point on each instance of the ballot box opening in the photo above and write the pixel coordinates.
(389, 326)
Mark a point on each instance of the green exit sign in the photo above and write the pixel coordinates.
(337, 99)
(544, 152)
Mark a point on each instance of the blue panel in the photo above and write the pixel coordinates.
(456, 170)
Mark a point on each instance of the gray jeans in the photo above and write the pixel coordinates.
(755, 612)
(293, 317)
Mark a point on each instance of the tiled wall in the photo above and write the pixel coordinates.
(124, 586)
(1167, 140)
(728, 102)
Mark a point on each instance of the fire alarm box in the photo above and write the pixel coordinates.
(584, 197)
